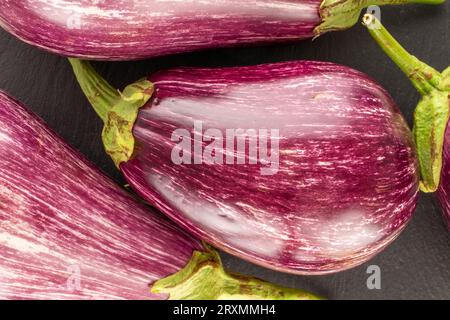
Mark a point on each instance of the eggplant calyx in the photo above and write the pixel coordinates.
(430, 122)
(204, 278)
(117, 133)
(445, 83)
(118, 110)
(432, 113)
(343, 14)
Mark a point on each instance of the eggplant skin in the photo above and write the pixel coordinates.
(125, 30)
(443, 192)
(347, 181)
(66, 230)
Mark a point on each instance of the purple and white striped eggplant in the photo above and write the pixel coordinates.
(304, 167)
(68, 232)
(125, 30)
(431, 117)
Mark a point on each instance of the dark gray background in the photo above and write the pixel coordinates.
(416, 266)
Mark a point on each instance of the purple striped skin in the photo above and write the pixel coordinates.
(58, 213)
(125, 30)
(137, 29)
(443, 193)
(348, 178)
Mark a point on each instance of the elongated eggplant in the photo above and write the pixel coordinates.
(68, 232)
(431, 117)
(125, 30)
(304, 167)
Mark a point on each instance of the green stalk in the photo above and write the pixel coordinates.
(118, 110)
(423, 77)
(204, 278)
(343, 14)
(432, 113)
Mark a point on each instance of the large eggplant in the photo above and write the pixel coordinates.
(68, 232)
(304, 167)
(431, 117)
(125, 29)
(444, 185)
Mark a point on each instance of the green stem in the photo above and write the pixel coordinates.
(432, 113)
(343, 14)
(98, 91)
(423, 77)
(204, 278)
(118, 110)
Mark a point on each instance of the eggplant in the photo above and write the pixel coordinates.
(443, 193)
(68, 232)
(431, 116)
(303, 167)
(126, 30)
